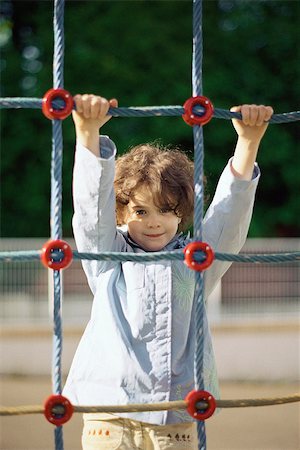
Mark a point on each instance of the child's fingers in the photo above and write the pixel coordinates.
(249, 114)
(235, 108)
(261, 116)
(86, 106)
(269, 111)
(95, 104)
(245, 112)
(254, 112)
(78, 102)
(254, 115)
(94, 107)
(264, 115)
(104, 107)
(113, 103)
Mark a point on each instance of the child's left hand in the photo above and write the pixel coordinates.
(254, 121)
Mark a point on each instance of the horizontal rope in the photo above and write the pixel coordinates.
(33, 255)
(144, 111)
(165, 406)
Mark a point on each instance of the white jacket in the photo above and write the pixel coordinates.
(138, 346)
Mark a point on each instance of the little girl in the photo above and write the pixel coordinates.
(138, 346)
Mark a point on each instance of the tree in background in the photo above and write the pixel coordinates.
(140, 52)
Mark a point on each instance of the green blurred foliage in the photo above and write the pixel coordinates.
(140, 52)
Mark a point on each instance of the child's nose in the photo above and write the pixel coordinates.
(154, 221)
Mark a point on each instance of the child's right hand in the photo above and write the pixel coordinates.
(90, 115)
(91, 111)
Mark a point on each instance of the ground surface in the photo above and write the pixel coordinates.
(266, 428)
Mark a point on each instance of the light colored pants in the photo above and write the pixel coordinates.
(113, 433)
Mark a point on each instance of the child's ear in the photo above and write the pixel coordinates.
(179, 219)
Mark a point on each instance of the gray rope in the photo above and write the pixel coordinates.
(145, 111)
(56, 206)
(59, 44)
(178, 255)
(57, 334)
(198, 305)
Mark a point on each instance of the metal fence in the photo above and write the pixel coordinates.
(266, 290)
(247, 290)
(24, 288)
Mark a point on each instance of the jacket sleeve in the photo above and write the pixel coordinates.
(94, 221)
(227, 220)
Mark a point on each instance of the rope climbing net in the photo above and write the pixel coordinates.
(56, 254)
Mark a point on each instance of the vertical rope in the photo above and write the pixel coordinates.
(56, 205)
(59, 44)
(57, 335)
(56, 180)
(197, 48)
(198, 213)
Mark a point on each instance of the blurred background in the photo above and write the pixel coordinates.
(140, 52)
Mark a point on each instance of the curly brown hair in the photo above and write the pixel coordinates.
(168, 173)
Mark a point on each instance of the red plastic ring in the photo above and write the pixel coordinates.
(48, 109)
(47, 250)
(193, 398)
(193, 247)
(192, 119)
(55, 418)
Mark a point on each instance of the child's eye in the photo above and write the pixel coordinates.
(140, 212)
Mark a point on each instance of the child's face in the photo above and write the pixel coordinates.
(149, 226)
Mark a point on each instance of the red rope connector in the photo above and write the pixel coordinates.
(190, 117)
(52, 246)
(193, 247)
(61, 94)
(65, 407)
(193, 398)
